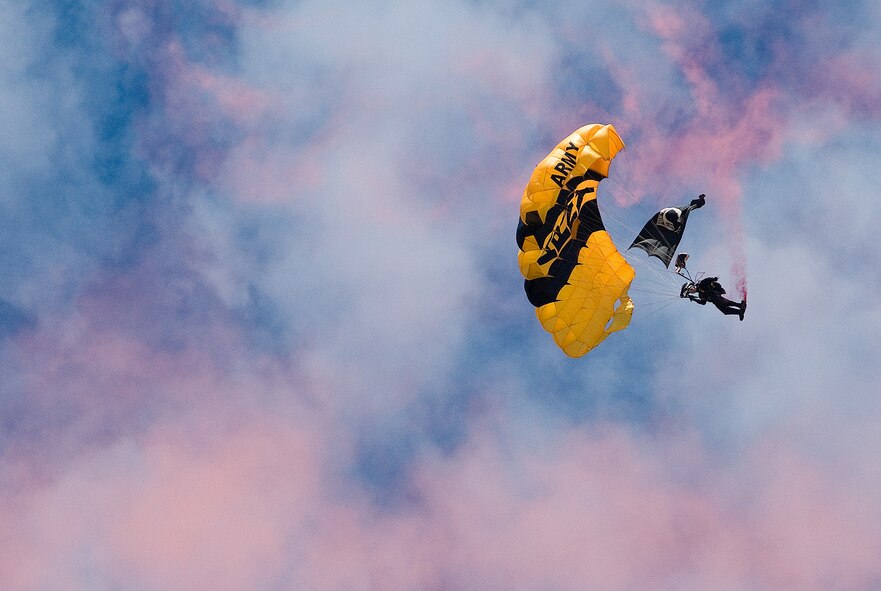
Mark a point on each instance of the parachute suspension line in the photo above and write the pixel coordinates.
(650, 313)
(646, 306)
(660, 278)
(637, 290)
(630, 194)
(652, 282)
(624, 184)
(650, 272)
(639, 262)
(626, 191)
(629, 168)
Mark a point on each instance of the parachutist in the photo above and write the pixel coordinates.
(709, 290)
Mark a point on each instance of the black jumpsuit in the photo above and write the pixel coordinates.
(709, 290)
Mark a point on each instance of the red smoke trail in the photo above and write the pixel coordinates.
(731, 213)
(738, 269)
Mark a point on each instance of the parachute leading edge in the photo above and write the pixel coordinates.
(575, 276)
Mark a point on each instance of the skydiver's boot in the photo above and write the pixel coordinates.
(742, 309)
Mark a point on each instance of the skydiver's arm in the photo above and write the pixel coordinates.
(699, 202)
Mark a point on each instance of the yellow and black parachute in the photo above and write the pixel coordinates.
(575, 277)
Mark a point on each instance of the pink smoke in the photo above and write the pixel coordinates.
(718, 144)
(732, 130)
(239, 502)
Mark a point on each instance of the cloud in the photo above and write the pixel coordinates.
(261, 325)
(248, 502)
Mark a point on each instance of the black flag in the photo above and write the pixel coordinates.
(661, 234)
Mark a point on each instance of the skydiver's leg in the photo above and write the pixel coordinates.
(726, 306)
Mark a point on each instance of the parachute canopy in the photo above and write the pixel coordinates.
(575, 276)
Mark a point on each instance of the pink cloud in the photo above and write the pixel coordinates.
(251, 501)
(215, 514)
(595, 515)
(178, 508)
(849, 79)
(204, 114)
(258, 170)
(726, 134)
(722, 137)
(607, 511)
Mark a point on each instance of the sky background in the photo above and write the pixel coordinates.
(262, 325)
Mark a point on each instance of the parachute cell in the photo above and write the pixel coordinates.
(575, 276)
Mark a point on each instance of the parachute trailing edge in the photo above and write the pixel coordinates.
(574, 275)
